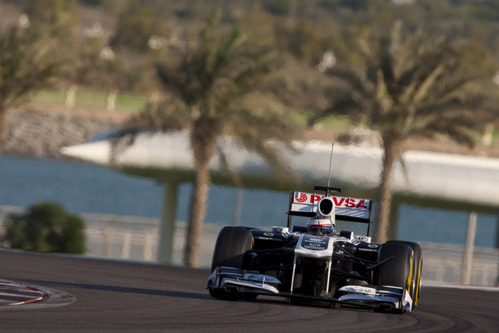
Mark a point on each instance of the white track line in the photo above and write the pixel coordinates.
(459, 286)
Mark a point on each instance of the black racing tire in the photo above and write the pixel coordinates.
(415, 291)
(398, 272)
(417, 283)
(230, 249)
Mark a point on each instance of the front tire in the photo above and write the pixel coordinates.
(231, 246)
(418, 270)
(401, 270)
(415, 290)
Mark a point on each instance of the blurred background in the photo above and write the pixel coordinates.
(399, 75)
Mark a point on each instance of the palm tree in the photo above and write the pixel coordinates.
(409, 88)
(26, 66)
(212, 90)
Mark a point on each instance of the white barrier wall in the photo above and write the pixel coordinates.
(136, 238)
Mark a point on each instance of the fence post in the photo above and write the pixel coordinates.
(238, 207)
(497, 234)
(127, 242)
(167, 225)
(108, 234)
(468, 250)
(148, 239)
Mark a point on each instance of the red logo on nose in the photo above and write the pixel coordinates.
(301, 198)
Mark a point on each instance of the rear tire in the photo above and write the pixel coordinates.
(230, 249)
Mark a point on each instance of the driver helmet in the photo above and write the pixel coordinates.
(320, 225)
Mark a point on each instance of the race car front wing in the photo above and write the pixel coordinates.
(385, 298)
(229, 277)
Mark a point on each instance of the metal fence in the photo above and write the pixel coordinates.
(136, 238)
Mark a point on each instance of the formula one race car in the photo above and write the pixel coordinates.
(313, 264)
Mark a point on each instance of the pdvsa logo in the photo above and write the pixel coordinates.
(301, 197)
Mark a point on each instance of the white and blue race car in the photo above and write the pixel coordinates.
(314, 264)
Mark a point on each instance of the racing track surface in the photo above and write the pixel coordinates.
(114, 295)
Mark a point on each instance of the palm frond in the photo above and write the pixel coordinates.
(459, 133)
(166, 116)
(228, 167)
(343, 103)
(25, 66)
(350, 77)
(415, 86)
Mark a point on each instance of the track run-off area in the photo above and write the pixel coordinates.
(81, 294)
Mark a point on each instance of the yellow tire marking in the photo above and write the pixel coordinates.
(418, 282)
(409, 279)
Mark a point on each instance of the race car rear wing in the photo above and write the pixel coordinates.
(347, 209)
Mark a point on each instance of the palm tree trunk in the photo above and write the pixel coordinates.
(203, 144)
(391, 152)
(197, 212)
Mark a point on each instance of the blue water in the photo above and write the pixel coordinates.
(82, 187)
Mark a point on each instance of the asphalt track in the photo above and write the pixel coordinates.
(100, 295)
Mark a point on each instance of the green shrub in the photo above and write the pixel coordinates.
(46, 227)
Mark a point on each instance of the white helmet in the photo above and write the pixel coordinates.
(320, 225)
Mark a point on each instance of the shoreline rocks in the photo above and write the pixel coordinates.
(42, 134)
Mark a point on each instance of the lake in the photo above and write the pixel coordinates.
(87, 188)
